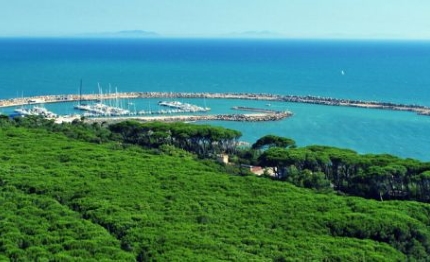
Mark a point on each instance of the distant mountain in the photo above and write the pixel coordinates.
(123, 34)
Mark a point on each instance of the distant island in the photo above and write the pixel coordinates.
(150, 34)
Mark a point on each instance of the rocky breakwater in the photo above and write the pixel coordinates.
(267, 116)
(419, 109)
(272, 116)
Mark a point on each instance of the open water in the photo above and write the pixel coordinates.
(382, 71)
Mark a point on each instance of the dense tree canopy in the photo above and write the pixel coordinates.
(374, 176)
(77, 192)
(203, 140)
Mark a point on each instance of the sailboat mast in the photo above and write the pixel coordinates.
(100, 92)
(80, 93)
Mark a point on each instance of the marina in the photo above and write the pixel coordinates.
(108, 108)
(111, 110)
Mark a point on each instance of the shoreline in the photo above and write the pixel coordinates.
(419, 109)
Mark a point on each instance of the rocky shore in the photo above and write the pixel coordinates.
(422, 110)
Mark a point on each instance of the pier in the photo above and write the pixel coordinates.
(421, 110)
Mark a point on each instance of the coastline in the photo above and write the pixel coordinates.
(419, 109)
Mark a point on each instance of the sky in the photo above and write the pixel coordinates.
(368, 19)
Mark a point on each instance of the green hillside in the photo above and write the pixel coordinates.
(68, 200)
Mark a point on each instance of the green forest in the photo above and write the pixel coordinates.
(134, 191)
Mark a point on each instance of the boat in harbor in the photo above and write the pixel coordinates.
(100, 108)
(35, 111)
(183, 107)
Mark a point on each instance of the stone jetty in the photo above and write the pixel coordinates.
(190, 118)
(422, 110)
(253, 109)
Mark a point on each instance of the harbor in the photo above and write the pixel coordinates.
(419, 109)
(111, 108)
(284, 83)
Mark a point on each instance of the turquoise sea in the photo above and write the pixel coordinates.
(369, 70)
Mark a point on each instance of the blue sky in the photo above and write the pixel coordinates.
(402, 19)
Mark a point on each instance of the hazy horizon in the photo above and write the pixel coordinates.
(306, 19)
(230, 36)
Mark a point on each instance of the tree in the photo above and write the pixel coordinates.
(269, 141)
(422, 182)
(276, 158)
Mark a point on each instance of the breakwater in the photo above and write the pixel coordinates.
(190, 118)
(253, 109)
(419, 109)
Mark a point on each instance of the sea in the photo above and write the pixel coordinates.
(389, 71)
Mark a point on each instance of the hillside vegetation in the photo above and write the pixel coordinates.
(66, 199)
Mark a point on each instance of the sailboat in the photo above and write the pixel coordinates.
(101, 109)
(80, 105)
(205, 108)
